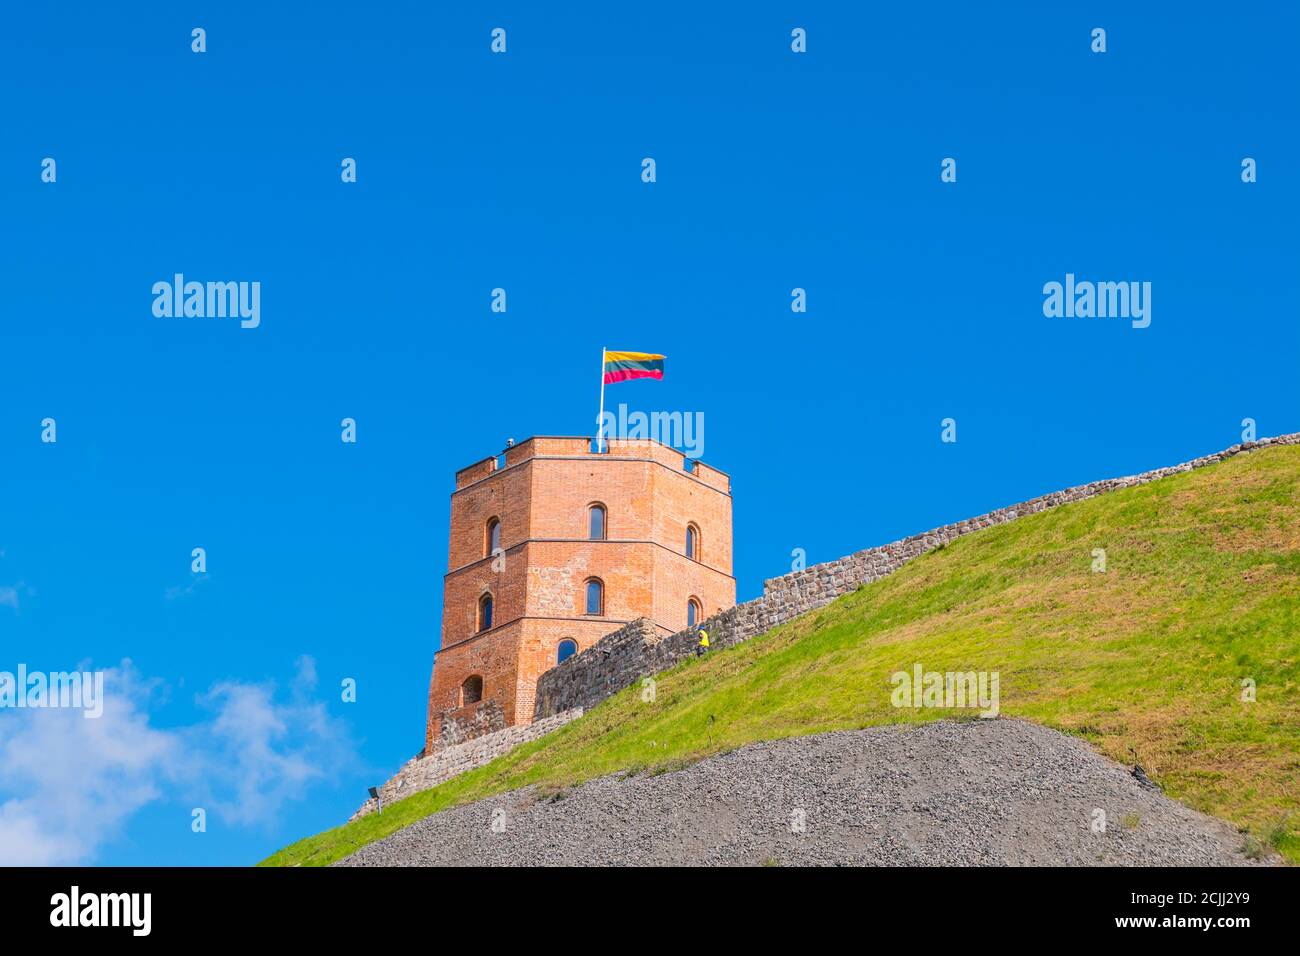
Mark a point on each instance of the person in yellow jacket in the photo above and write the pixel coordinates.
(703, 646)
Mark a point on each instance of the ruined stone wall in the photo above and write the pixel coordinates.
(466, 723)
(639, 649)
(450, 760)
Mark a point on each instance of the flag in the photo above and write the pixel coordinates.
(623, 366)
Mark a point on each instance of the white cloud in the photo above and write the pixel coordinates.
(70, 785)
(259, 754)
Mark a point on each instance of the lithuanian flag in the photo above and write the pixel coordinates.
(623, 366)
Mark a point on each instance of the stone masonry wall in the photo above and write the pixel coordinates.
(637, 649)
(422, 772)
(458, 728)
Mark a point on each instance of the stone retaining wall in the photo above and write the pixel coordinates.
(636, 650)
(487, 719)
(423, 772)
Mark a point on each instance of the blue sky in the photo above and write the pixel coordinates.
(522, 171)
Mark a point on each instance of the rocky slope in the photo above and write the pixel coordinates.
(973, 792)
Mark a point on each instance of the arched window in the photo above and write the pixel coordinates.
(566, 650)
(693, 613)
(471, 691)
(493, 536)
(485, 612)
(596, 523)
(692, 542)
(595, 597)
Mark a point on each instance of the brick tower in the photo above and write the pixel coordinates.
(554, 546)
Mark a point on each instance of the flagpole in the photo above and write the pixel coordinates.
(600, 418)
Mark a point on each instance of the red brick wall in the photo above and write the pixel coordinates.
(504, 495)
(492, 656)
(541, 498)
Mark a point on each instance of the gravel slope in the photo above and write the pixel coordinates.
(981, 792)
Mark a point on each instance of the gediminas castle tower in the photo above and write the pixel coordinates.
(553, 546)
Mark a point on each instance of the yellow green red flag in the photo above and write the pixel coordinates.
(623, 366)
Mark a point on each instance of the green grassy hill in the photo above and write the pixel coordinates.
(1202, 590)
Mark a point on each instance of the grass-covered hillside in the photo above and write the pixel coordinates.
(1201, 591)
